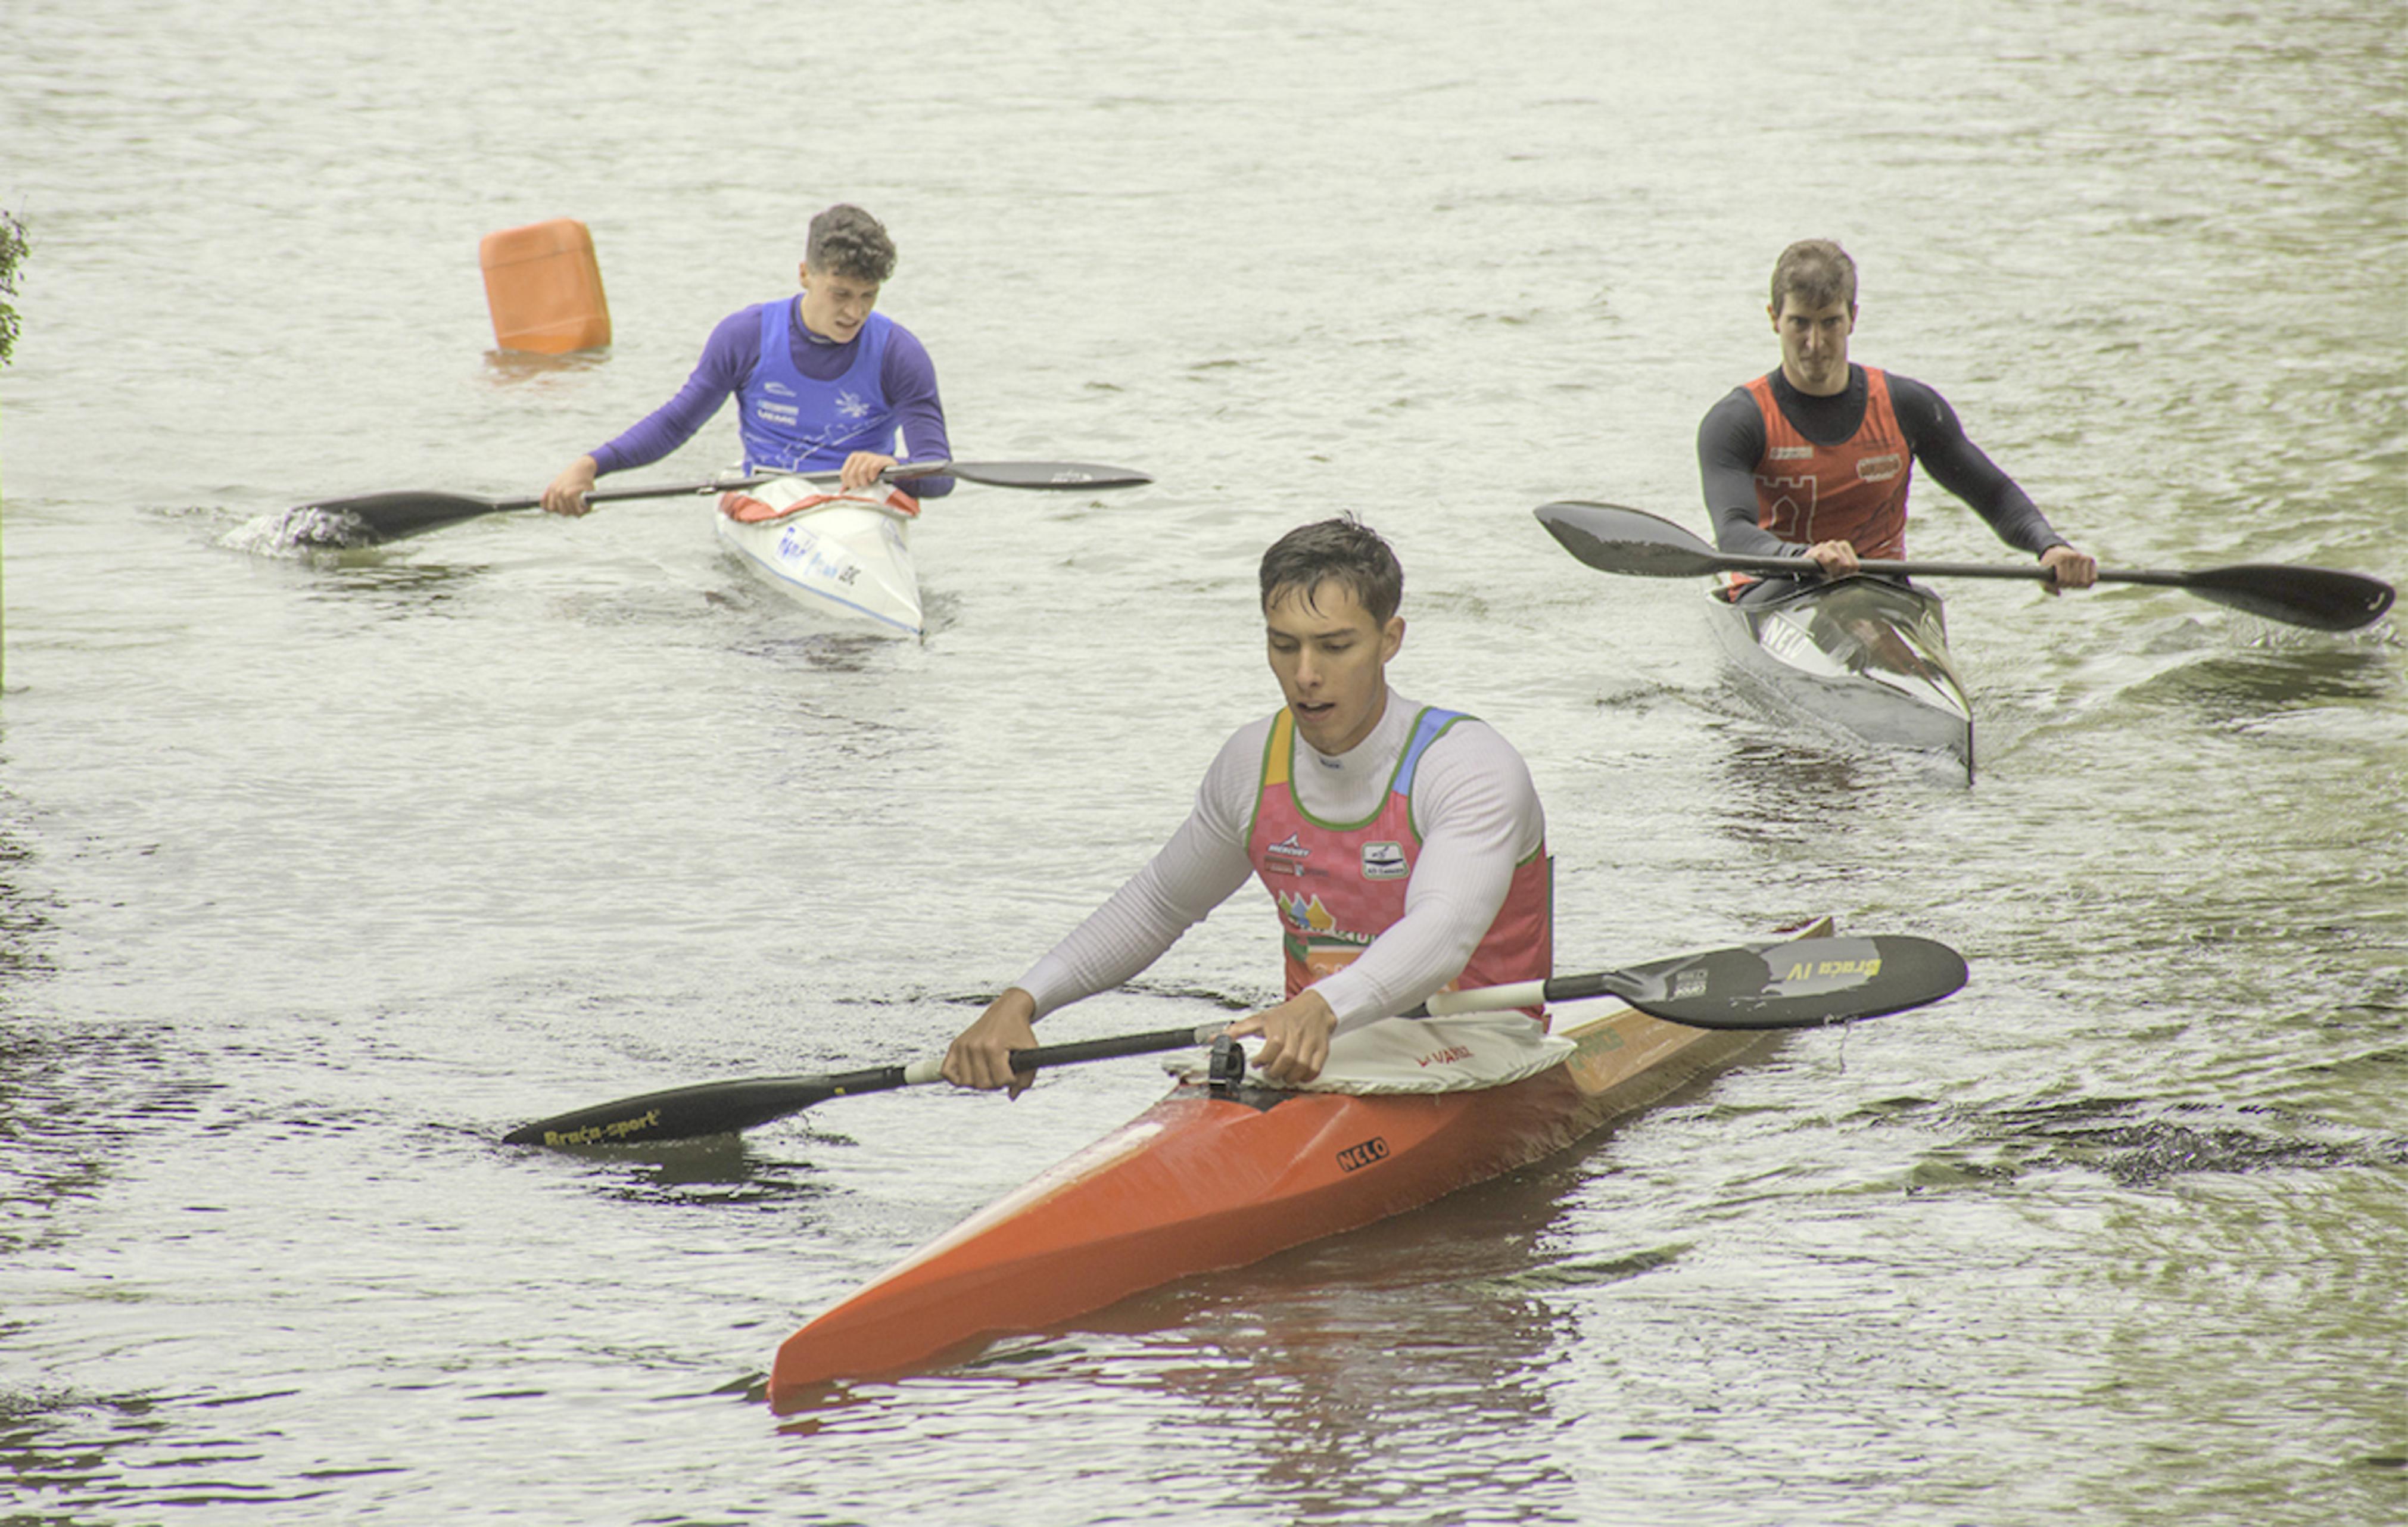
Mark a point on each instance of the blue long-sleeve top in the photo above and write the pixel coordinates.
(728, 359)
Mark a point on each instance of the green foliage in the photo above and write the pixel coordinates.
(12, 251)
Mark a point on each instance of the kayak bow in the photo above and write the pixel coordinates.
(843, 554)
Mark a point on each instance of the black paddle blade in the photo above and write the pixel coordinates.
(1801, 984)
(2319, 598)
(1063, 476)
(373, 518)
(687, 1113)
(1612, 539)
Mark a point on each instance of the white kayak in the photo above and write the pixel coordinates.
(843, 553)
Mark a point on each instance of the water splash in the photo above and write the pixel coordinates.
(300, 532)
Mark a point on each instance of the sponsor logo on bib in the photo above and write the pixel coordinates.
(1308, 917)
(1384, 862)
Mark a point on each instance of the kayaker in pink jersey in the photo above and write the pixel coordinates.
(1404, 847)
(1817, 456)
(823, 381)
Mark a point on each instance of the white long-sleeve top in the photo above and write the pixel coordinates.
(1473, 802)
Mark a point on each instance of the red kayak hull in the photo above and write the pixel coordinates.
(1203, 1181)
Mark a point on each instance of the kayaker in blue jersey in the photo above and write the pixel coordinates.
(1816, 457)
(823, 381)
(1403, 846)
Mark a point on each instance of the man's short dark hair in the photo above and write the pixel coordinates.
(1344, 549)
(1817, 272)
(846, 241)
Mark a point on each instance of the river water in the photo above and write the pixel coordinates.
(317, 873)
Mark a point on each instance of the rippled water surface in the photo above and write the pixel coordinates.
(317, 872)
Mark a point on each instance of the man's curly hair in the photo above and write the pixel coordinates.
(846, 241)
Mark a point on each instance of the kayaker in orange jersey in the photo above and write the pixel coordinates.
(1816, 456)
(1403, 847)
(822, 382)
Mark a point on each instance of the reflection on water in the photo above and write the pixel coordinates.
(56, 1089)
(24, 912)
(1790, 792)
(715, 1169)
(2138, 1142)
(515, 367)
(56, 1442)
(393, 587)
(1593, 1272)
(1811, 760)
(844, 652)
(1411, 1361)
(2224, 687)
(55, 1081)
(1775, 780)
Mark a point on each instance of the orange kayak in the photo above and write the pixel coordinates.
(1213, 1177)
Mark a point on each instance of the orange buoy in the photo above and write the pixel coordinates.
(544, 288)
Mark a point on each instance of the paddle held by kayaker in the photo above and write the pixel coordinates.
(1816, 456)
(823, 381)
(1403, 846)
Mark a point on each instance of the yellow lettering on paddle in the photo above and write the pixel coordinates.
(1806, 972)
(618, 1129)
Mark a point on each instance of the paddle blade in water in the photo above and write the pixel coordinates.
(2320, 598)
(390, 516)
(1801, 984)
(686, 1113)
(1612, 539)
